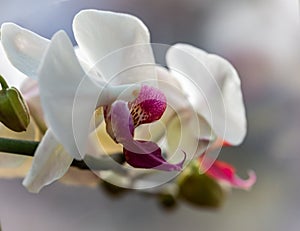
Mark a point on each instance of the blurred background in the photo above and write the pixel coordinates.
(261, 39)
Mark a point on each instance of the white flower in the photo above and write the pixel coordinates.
(68, 88)
(59, 74)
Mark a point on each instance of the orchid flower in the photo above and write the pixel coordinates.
(219, 110)
(73, 85)
(60, 74)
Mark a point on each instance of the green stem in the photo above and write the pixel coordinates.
(27, 148)
(3, 83)
(21, 147)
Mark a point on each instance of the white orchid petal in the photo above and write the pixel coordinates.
(50, 163)
(176, 98)
(24, 48)
(218, 97)
(115, 42)
(12, 75)
(69, 97)
(181, 118)
(60, 75)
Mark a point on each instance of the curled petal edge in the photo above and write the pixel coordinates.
(226, 173)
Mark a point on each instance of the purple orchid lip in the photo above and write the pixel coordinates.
(125, 117)
(148, 107)
(153, 160)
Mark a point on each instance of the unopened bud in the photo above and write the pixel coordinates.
(200, 189)
(14, 113)
(167, 201)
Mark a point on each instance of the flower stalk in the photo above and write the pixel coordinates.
(27, 148)
(21, 147)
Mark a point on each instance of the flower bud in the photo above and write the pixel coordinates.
(167, 200)
(14, 113)
(200, 189)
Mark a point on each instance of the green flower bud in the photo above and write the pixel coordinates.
(14, 113)
(199, 189)
(167, 200)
